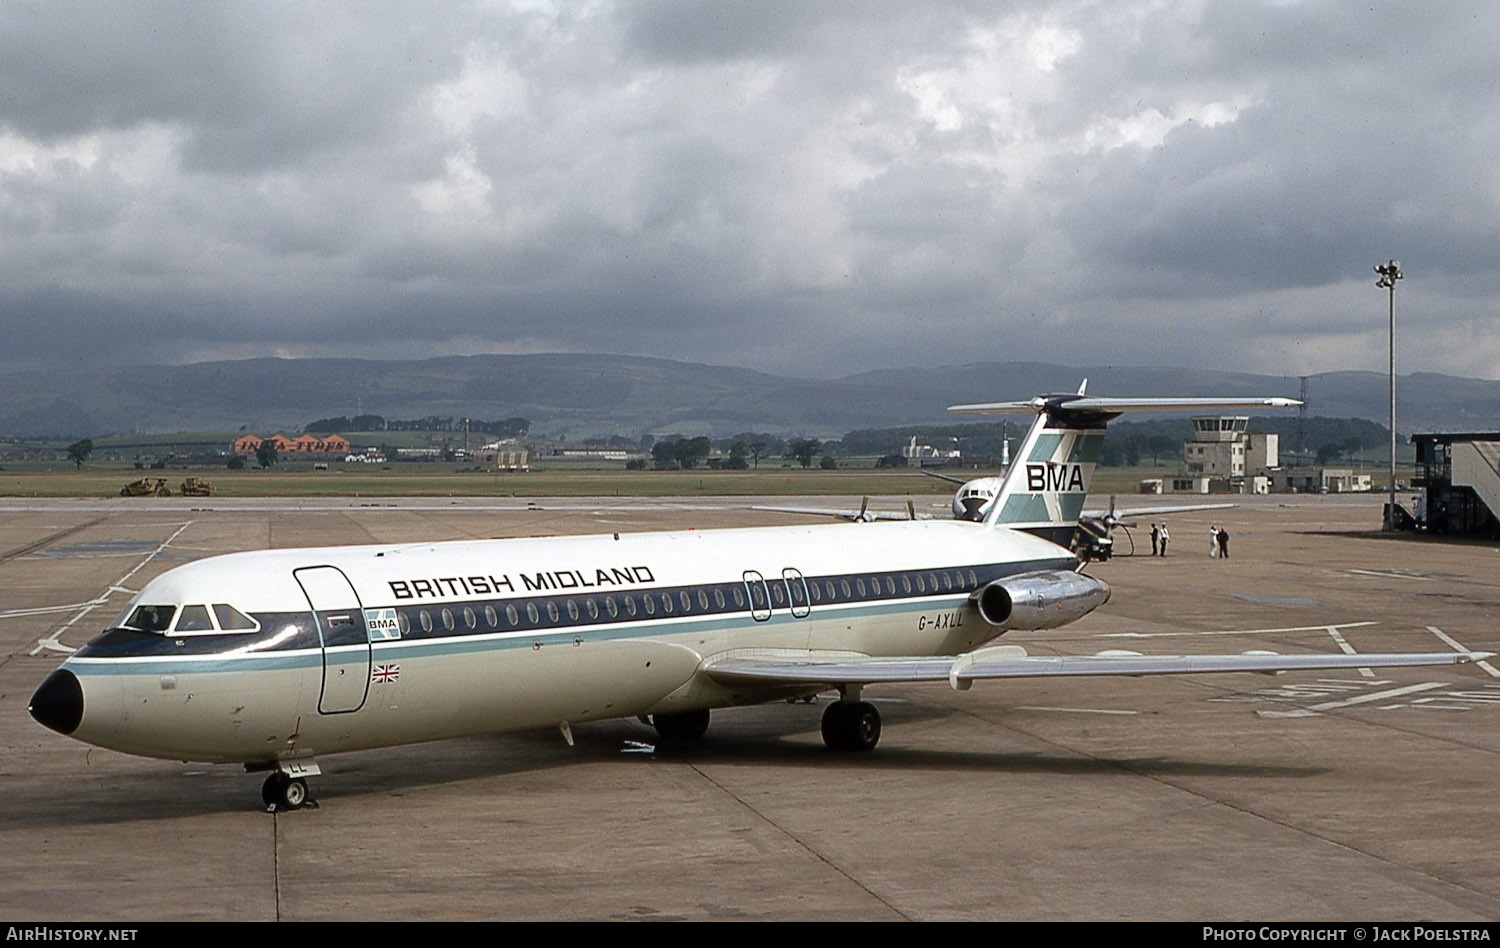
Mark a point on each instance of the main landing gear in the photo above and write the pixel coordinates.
(282, 791)
(851, 726)
(682, 726)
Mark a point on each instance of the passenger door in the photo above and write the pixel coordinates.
(340, 619)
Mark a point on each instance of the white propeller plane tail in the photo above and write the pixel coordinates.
(1044, 491)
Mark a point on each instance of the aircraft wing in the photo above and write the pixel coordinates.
(1012, 661)
(1143, 511)
(861, 516)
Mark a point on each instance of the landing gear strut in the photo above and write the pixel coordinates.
(851, 726)
(284, 792)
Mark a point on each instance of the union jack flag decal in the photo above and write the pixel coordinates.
(381, 674)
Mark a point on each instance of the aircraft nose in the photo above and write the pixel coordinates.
(58, 703)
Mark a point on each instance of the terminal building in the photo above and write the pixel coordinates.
(1224, 456)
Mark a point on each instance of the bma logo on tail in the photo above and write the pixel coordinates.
(1053, 476)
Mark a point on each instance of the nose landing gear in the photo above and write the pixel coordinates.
(282, 791)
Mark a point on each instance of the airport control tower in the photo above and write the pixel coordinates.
(1222, 448)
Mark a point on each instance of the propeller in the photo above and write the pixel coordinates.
(1101, 530)
(864, 512)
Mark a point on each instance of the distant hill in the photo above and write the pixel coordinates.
(579, 396)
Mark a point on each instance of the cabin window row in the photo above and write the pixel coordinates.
(790, 591)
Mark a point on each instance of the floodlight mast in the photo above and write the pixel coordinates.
(1389, 274)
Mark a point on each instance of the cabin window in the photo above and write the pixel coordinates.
(532, 614)
(233, 620)
(512, 617)
(778, 594)
(815, 591)
(890, 586)
(403, 622)
(426, 619)
(630, 605)
(702, 600)
(150, 619)
(666, 603)
(470, 620)
(572, 610)
(844, 587)
(921, 584)
(194, 619)
(859, 586)
(491, 618)
(828, 590)
(650, 605)
(592, 608)
(739, 597)
(906, 584)
(448, 619)
(718, 598)
(611, 607)
(551, 610)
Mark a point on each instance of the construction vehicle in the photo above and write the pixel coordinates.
(197, 487)
(145, 486)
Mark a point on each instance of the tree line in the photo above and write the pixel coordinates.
(741, 452)
(502, 427)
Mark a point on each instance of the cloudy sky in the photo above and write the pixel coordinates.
(798, 187)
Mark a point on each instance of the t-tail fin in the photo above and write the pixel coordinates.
(1045, 489)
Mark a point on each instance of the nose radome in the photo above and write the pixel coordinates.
(58, 703)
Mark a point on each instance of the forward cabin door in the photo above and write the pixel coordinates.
(346, 640)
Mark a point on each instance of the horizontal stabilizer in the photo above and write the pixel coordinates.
(1112, 405)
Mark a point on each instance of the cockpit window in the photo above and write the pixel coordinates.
(233, 620)
(191, 620)
(150, 618)
(194, 619)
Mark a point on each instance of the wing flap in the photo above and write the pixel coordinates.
(1012, 662)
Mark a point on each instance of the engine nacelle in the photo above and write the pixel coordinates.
(1043, 600)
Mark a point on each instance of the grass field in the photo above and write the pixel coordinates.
(435, 481)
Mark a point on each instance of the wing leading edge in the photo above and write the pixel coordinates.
(1011, 661)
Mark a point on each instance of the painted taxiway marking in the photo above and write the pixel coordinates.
(1393, 574)
(43, 610)
(1298, 628)
(1488, 668)
(1314, 709)
(53, 643)
(1466, 700)
(1342, 643)
(1035, 707)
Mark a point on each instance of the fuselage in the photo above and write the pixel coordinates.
(275, 655)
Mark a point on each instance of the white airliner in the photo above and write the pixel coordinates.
(274, 658)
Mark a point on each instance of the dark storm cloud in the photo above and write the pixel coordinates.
(253, 86)
(799, 187)
(1339, 160)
